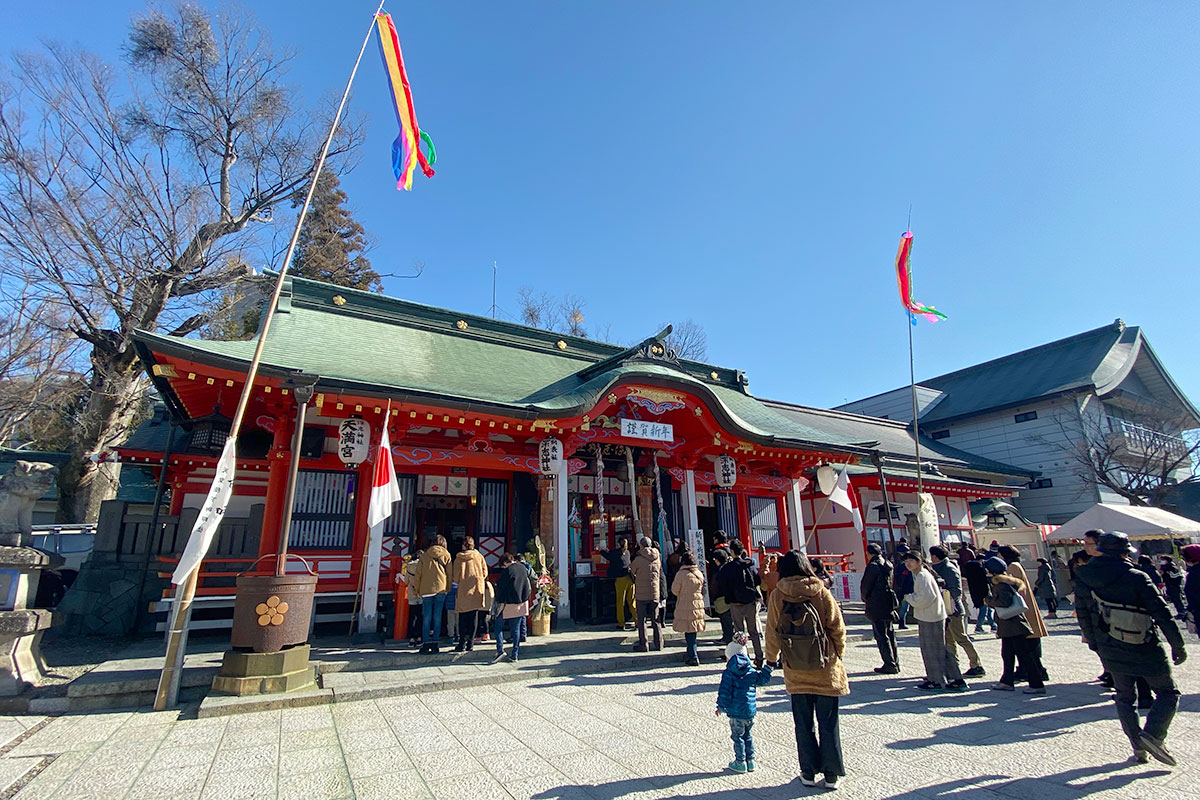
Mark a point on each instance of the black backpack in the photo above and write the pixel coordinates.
(803, 643)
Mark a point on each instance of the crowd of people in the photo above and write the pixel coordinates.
(1121, 606)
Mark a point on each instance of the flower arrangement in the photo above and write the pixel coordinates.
(546, 590)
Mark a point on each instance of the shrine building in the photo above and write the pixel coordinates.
(648, 442)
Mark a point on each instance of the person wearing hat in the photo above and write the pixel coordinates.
(736, 698)
(1122, 614)
(1017, 646)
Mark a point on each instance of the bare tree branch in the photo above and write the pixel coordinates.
(128, 198)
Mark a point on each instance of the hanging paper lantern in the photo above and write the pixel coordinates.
(354, 438)
(726, 471)
(550, 454)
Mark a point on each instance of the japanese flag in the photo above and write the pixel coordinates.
(385, 490)
(211, 514)
(840, 496)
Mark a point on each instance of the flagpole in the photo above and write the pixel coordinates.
(362, 566)
(168, 684)
(912, 373)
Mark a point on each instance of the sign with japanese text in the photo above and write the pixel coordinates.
(695, 543)
(354, 441)
(550, 455)
(726, 471)
(640, 429)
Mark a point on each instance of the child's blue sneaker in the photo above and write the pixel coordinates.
(737, 766)
(750, 766)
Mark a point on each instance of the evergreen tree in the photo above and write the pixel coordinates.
(332, 243)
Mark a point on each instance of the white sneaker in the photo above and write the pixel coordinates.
(831, 782)
(807, 781)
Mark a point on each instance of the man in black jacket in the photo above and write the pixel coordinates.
(1121, 614)
(880, 600)
(739, 581)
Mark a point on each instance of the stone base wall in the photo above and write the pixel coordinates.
(104, 600)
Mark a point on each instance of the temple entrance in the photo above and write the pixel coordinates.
(709, 523)
(448, 516)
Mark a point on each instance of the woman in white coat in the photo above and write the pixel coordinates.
(941, 664)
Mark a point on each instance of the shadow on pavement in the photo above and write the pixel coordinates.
(1116, 775)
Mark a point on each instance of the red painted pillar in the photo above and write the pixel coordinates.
(277, 476)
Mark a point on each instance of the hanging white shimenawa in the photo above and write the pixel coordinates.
(662, 514)
(600, 489)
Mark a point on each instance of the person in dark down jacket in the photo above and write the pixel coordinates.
(1119, 604)
(1016, 642)
(1045, 588)
(736, 698)
(1172, 580)
(618, 571)
(881, 603)
(513, 591)
(1191, 585)
(647, 572)
(902, 582)
(978, 586)
(739, 581)
(720, 607)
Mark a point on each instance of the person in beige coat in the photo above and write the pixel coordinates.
(646, 568)
(1033, 615)
(433, 579)
(814, 692)
(688, 588)
(470, 572)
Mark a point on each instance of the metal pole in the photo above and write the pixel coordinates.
(887, 506)
(304, 393)
(912, 385)
(168, 684)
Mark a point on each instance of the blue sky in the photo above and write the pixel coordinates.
(752, 167)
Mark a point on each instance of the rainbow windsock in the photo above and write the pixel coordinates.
(904, 280)
(406, 150)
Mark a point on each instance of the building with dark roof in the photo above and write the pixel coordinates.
(1037, 407)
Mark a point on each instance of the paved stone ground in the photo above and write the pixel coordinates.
(629, 735)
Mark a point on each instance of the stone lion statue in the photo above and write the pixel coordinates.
(20, 488)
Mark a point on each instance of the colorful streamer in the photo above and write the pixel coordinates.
(904, 281)
(406, 150)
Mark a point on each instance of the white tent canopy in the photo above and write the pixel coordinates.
(1137, 522)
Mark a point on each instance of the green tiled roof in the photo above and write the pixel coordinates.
(375, 344)
(1097, 359)
(895, 440)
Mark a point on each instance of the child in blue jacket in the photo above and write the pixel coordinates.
(736, 699)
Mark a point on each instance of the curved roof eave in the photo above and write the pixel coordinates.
(588, 394)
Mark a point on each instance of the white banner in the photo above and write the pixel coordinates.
(211, 514)
(695, 543)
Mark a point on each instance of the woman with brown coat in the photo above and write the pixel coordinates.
(433, 573)
(814, 692)
(688, 588)
(646, 568)
(1033, 615)
(470, 573)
